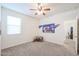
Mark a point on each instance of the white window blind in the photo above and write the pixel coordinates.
(13, 25)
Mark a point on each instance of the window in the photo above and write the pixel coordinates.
(13, 25)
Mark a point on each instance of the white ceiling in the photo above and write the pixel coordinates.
(55, 8)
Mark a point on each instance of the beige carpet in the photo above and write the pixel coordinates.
(37, 49)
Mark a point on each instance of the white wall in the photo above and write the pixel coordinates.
(59, 36)
(29, 29)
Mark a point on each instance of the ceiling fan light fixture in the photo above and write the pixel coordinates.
(41, 9)
(39, 12)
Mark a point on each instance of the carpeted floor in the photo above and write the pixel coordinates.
(37, 49)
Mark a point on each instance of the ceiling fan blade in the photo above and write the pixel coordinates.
(44, 14)
(33, 9)
(47, 9)
(36, 13)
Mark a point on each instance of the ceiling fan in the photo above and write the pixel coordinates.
(40, 9)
